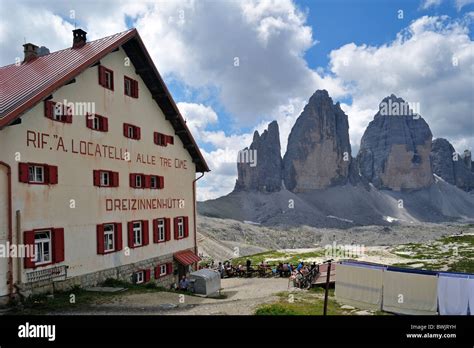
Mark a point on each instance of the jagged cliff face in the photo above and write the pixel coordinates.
(260, 166)
(451, 166)
(319, 151)
(395, 148)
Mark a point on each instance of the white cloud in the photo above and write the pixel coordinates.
(430, 3)
(429, 63)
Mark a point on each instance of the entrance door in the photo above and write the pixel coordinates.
(3, 229)
(182, 270)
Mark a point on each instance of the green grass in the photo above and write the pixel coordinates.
(77, 298)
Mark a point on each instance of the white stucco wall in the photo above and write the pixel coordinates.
(49, 206)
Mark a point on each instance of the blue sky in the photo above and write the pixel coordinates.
(359, 50)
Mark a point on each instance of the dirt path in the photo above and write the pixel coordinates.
(243, 295)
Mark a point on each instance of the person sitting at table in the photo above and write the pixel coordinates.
(183, 284)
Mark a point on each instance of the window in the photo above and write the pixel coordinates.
(106, 178)
(153, 181)
(42, 247)
(130, 87)
(106, 77)
(161, 230)
(40, 174)
(131, 131)
(163, 139)
(57, 111)
(140, 277)
(181, 227)
(45, 247)
(109, 237)
(97, 122)
(137, 233)
(36, 174)
(163, 270)
(138, 181)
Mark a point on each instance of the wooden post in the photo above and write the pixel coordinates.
(326, 293)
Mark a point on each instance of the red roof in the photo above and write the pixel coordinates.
(29, 83)
(186, 257)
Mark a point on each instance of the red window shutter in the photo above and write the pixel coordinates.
(52, 175)
(96, 177)
(58, 245)
(147, 179)
(101, 75)
(23, 172)
(115, 179)
(125, 129)
(186, 226)
(130, 235)
(157, 271)
(100, 239)
(146, 233)
(29, 240)
(133, 180)
(67, 114)
(104, 124)
(48, 108)
(155, 230)
(176, 231)
(89, 120)
(169, 139)
(147, 275)
(155, 137)
(161, 181)
(167, 229)
(118, 236)
(138, 133)
(134, 89)
(169, 268)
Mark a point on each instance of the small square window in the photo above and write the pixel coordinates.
(36, 174)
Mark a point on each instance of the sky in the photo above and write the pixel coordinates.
(235, 66)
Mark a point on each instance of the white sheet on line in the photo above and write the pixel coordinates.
(453, 294)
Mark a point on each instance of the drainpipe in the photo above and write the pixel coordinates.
(194, 215)
(10, 229)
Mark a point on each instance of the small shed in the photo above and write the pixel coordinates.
(206, 282)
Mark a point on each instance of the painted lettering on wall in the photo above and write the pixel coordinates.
(45, 141)
(125, 204)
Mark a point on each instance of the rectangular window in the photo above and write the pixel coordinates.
(109, 237)
(138, 181)
(162, 270)
(163, 139)
(43, 247)
(130, 87)
(131, 131)
(97, 122)
(137, 233)
(180, 227)
(106, 178)
(161, 230)
(153, 181)
(36, 174)
(106, 77)
(57, 111)
(140, 277)
(41, 174)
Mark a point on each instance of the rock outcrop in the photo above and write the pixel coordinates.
(451, 166)
(319, 151)
(259, 167)
(395, 148)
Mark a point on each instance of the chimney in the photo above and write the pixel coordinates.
(79, 36)
(31, 52)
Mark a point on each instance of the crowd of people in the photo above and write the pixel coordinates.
(264, 269)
